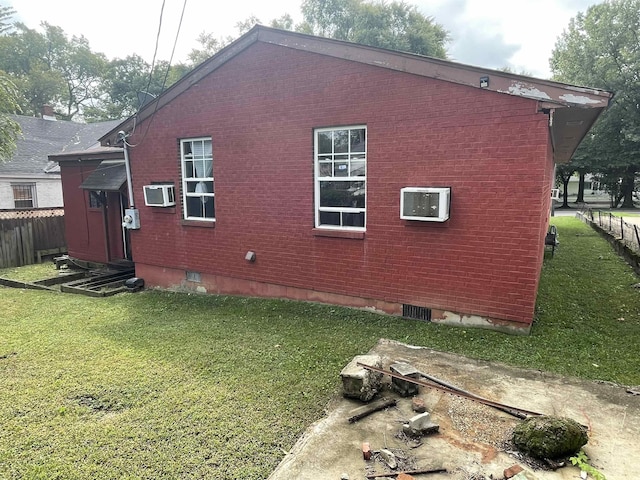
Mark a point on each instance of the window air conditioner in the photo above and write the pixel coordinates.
(425, 204)
(159, 195)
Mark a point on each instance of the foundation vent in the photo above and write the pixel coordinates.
(415, 312)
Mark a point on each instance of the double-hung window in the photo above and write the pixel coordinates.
(340, 177)
(24, 195)
(198, 195)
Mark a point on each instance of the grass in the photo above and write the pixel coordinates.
(169, 385)
(624, 214)
(30, 273)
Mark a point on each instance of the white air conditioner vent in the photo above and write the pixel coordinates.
(159, 195)
(426, 204)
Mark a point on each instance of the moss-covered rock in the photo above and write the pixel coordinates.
(549, 437)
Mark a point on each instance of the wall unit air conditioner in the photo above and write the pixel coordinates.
(426, 204)
(555, 194)
(159, 195)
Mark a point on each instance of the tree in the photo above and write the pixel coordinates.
(6, 25)
(285, 22)
(563, 175)
(394, 25)
(125, 81)
(210, 45)
(50, 68)
(602, 49)
(9, 128)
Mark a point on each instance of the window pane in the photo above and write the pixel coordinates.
(341, 169)
(342, 194)
(95, 199)
(324, 142)
(341, 141)
(199, 187)
(357, 169)
(326, 169)
(357, 140)
(202, 207)
(353, 219)
(330, 218)
(24, 204)
(186, 150)
(188, 169)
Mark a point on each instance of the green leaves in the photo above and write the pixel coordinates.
(393, 25)
(9, 128)
(601, 48)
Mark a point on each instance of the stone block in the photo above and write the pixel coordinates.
(420, 425)
(389, 458)
(358, 382)
(402, 387)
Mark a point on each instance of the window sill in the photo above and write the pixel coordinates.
(321, 232)
(197, 223)
(163, 210)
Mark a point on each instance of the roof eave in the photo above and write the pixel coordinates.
(102, 153)
(553, 94)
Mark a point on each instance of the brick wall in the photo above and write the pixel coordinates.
(260, 110)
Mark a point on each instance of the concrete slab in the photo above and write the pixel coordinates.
(472, 436)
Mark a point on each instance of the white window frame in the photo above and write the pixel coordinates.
(24, 188)
(194, 177)
(331, 158)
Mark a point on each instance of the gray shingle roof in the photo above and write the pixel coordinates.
(42, 137)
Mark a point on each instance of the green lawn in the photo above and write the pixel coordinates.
(166, 385)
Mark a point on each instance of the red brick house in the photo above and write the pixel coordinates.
(311, 143)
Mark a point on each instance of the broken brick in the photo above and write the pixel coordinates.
(418, 405)
(366, 451)
(512, 471)
(404, 476)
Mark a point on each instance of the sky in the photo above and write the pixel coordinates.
(488, 33)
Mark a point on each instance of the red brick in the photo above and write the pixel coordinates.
(512, 471)
(260, 109)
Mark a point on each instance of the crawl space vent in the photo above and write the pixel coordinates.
(417, 313)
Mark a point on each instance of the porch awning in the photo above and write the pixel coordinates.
(108, 177)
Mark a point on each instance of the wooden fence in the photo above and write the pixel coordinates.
(28, 235)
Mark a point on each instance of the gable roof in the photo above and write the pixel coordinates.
(41, 137)
(572, 109)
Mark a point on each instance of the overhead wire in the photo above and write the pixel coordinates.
(155, 51)
(166, 75)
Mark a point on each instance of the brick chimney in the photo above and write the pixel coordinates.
(48, 113)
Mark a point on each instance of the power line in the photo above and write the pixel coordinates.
(166, 75)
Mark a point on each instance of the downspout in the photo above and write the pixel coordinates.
(127, 167)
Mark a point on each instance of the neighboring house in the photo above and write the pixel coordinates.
(28, 179)
(351, 175)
